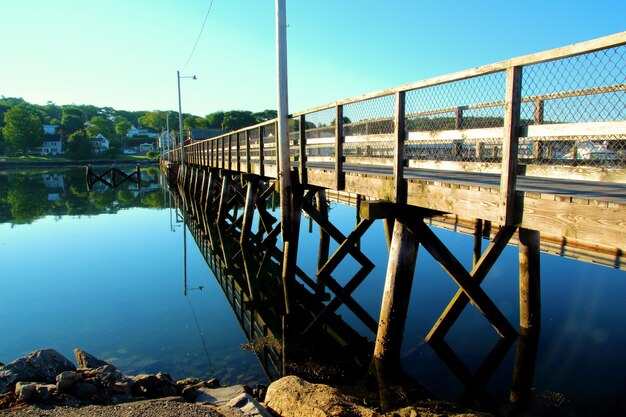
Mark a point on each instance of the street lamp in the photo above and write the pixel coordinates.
(180, 118)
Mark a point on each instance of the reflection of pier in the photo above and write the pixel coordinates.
(250, 276)
(482, 148)
(112, 177)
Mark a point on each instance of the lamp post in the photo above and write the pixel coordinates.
(180, 118)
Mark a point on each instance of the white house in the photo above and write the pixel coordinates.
(145, 147)
(165, 141)
(134, 132)
(52, 145)
(99, 144)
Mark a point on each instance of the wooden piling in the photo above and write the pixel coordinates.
(223, 197)
(529, 279)
(248, 212)
(324, 241)
(396, 294)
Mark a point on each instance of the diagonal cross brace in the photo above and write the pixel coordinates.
(459, 274)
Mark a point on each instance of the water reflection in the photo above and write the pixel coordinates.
(26, 196)
(250, 277)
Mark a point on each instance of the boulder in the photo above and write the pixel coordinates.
(249, 406)
(104, 375)
(39, 366)
(86, 360)
(85, 390)
(66, 380)
(219, 396)
(32, 392)
(153, 386)
(291, 396)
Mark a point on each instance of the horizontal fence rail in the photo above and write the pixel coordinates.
(556, 114)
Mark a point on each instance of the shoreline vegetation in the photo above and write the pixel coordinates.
(45, 381)
(36, 161)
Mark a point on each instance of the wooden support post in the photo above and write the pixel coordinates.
(261, 151)
(302, 144)
(248, 212)
(238, 150)
(324, 243)
(388, 226)
(509, 215)
(524, 371)
(396, 294)
(223, 198)
(529, 277)
(399, 136)
(248, 158)
(340, 176)
(478, 238)
(458, 118)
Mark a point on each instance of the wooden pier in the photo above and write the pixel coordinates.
(529, 151)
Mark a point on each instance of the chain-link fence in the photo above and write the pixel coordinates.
(572, 113)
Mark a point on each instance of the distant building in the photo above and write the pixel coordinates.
(145, 147)
(55, 183)
(195, 135)
(141, 132)
(165, 141)
(99, 144)
(52, 145)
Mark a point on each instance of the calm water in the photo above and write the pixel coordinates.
(103, 271)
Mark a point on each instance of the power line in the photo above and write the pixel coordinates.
(199, 35)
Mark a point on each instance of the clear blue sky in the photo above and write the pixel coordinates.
(125, 53)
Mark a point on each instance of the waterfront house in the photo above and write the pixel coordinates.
(99, 144)
(52, 144)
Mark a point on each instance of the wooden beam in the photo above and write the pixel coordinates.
(226, 180)
(459, 274)
(248, 212)
(399, 136)
(396, 294)
(340, 176)
(529, 279)
(478, 273)
(508, 178)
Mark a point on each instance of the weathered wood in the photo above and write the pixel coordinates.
(524, 371)
(302, 149)
(321, 204)
(339, 139)
(396, 294)
(248, 212)
(478, 237)
(399, 184)
(459, 274)
(529, 279)
(508, 178)
(226, 181)
(478, 273)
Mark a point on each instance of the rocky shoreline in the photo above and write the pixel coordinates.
(46, 383)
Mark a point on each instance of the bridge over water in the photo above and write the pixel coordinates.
(531, 149)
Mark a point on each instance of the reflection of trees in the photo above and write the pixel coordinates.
(25, 196)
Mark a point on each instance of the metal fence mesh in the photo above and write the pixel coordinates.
(320, 132)
(435, 115)
(367, 127)
(579, 89)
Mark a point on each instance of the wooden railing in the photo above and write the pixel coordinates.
(514, 117)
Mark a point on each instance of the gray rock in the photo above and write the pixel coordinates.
(153, 386)
(104, 375)
(86, 360)
(45, 392)
(248, 406)
(39, 366)
(25, 391)
(85, 390)
(219, 396)
(66, 380)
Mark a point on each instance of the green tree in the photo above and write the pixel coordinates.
(78, 145)
(155, 120)
(122, 126)
(195, 122)
(100, 124)
(22, 129)
(72, 120)
(237, 119)
(215, 120)
(265, 115)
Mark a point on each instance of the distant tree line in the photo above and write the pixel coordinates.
(21, 124)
